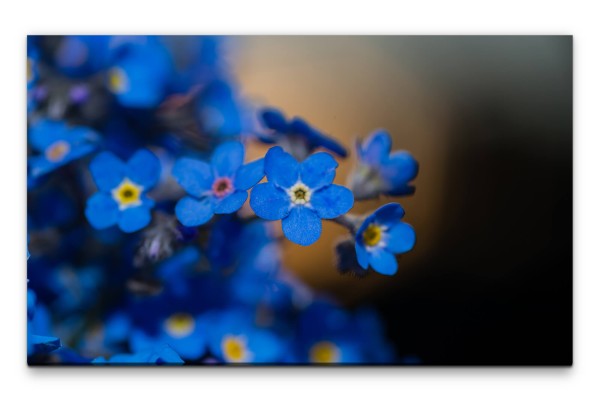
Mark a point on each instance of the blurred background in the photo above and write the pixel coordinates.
(489, 118)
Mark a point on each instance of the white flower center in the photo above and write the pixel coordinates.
(299, 194)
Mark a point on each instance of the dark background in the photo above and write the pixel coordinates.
(490, 120)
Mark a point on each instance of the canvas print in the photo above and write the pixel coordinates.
(299, 200)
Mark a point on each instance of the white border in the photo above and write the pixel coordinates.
(340, 17)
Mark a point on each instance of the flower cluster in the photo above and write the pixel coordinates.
(151, 233)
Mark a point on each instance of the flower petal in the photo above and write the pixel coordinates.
(143, 168)
(269, 202)
(193, 212)
(302, 226)
(397, 171)
(231, 203)
(46, 132)
(134, 218)
(400, 238)
(193, 175)
(362, 255)
(227, 158)
(274, 119)
(249, 174)
(332, 201)
(101, 211)
(281, 168)
(376, 148)
(383, 262)
(318, 170)
(107, 170)
(392, 212)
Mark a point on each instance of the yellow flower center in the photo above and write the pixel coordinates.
(234, 349)
(299, 194)
(179, 325)
(324, 352)
(57, 151)
(372, 235)
(127, 194)
(117, 80)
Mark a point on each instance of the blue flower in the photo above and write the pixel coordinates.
(235, 338)
(58, 144)
(160, 355)
(297, 136)
(379, 172)
(380, 236)
(122, 190)
(82, 55)
(140, 75)
(328, 334)
(216, 188)
(39, 338)
(180, 330)
(300, 194)
(218, 110)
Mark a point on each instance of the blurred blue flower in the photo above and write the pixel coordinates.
(58, 144)
(180, 330)
(219, 187)
(379, 172)
(235, 338)
(122, 190)
(160, 355)
(219, 111)
(82, 55)
(39, 338)
(139, 76)
(300, 194)
(380, 236)
(296, 135)
(328, 334)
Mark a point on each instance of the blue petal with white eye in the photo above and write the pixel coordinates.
(302, 226)
(143, 168)
(195, 176)
(230, 203)
(401, 238)
(227, 158)
(107, 171)
(193, 212)
(249, 175)
(318, 170)
(332, 201)
(102, 211)
(269, 202)
(281, 168)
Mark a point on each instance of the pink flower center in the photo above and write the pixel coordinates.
(222, 187)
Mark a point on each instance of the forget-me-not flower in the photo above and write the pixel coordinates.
(140, 75)
(380, 236)
(300, 194)
(297, 136)
(379, 172)
(58, 144)
(218, 187)
(121, 198)
(233, 338)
